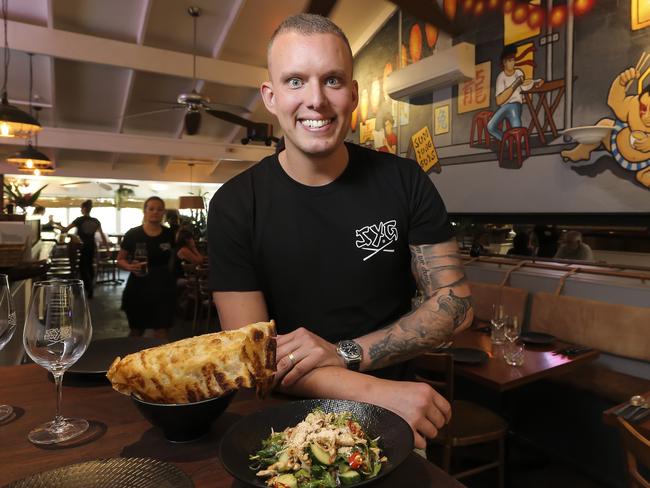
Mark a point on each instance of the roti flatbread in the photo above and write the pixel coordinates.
(200, 367)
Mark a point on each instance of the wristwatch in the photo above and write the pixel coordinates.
(351, 353)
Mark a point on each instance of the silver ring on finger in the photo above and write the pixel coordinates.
(292, 358)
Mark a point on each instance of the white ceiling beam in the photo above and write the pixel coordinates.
(214, 168)
(84, 48)
(51, 137)
(145, 10)
(163, 162)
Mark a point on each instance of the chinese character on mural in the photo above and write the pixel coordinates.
(475, 94)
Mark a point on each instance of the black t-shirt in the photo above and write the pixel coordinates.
(334, 259)
(87, 226)
(159, 248)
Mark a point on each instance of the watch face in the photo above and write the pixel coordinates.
(350, 350)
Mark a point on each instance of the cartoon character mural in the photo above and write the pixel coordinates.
(508, 93)
(629, 140)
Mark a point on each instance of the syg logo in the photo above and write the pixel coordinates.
(377, 237)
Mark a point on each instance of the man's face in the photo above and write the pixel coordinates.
(573, 242)
(509, 65)
(311, 91)
(644, 109)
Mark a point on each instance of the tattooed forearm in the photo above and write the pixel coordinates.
(408, 337)
(435, 271)
(456, 307)
(440, 276)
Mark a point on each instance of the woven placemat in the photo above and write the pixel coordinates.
(110, 473)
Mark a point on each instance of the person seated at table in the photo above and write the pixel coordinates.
(50, 225)
(326, 238)
(521, 245)
(185, 252)
(574, 249)
(173, 220)
(508, 90)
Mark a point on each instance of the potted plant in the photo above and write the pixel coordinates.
(20, 199)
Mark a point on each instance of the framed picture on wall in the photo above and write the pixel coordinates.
(640, 14)
(441, 120)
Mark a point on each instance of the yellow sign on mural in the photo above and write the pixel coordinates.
(366, 131)
(425, 151)
(640, 14)
(475, 94)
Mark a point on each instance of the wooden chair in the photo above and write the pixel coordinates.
(470, 423)
(637, 451)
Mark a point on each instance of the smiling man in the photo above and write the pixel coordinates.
(329, 238)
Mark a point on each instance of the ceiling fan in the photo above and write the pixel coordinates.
(428, 11)
(101, 184)
(193, 103)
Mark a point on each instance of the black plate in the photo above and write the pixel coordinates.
(245, 437)
(100, 354)
(114, 472)
(467, 355)
(538, 338)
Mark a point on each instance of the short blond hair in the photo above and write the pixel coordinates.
(308, 24)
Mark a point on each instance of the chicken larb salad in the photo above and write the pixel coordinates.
(326, 450)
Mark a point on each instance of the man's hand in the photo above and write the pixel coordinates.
(425, 410)
(301, 351)
(628, 75)
(641, 143)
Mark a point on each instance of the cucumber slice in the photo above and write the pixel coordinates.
(286, 481)
(349, 477)
(283, 461)
(321, 455)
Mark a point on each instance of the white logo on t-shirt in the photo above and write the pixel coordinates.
(377, 237)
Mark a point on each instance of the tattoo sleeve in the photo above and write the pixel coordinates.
(440, 277)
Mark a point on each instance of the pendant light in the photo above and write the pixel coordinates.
(13, 121)
(31, 159)
(194, 202)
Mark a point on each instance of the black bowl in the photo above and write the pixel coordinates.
(183, 422)
(245, 437)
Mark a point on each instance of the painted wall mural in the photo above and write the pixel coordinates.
(541, 68)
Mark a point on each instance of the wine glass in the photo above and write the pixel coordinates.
(141, 256)
(498, 320)
(57, 332)
(512, 329)
(7, 328)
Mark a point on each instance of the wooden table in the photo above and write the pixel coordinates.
(644, 426)
(556, 89)
(117, 429)
(539, 362)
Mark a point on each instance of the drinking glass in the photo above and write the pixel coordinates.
(498, 321)
(57, 332)
(513, 353)
(7, 328)
(141, 256)
(512, 328)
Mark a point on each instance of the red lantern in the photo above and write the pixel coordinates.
(468, 5)
(479, 8)
(581, 7)
(535, 18)
(558, 16)
(520, 13)
(508, 5)
(493, 4)
(449, 6)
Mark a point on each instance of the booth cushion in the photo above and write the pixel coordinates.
(621, 330)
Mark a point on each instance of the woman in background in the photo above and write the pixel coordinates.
(150, 293)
